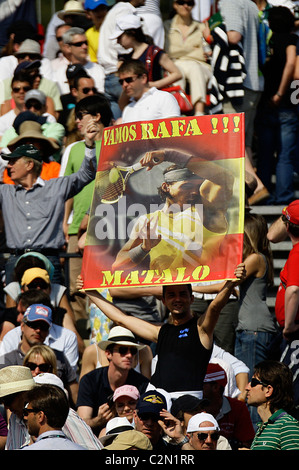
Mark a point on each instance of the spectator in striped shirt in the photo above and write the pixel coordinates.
(271, 391)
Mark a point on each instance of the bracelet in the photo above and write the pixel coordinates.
(278, 94)
(137, 254)
(183, 442)
(90, 146)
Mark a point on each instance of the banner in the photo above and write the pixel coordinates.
(168, 203)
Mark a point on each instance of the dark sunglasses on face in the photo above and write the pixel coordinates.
(30, 56)
(123, 350)
(17, 89)
(38, 325)
(202, 436)
(38, 284)
(87, 89)
(147, 416)
(184, 2)
(33, 104)
(79, 44)
(42, 367)
(26, 411)
(59, 38)
(128, 79)
(81, 114)
(254, 382)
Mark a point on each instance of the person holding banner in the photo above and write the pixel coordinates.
(189, 229)
(184, 346)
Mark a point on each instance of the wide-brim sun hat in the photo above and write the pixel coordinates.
(14, 379)
(30, 131)
(122, 336)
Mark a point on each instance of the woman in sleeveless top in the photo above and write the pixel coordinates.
(256, 325)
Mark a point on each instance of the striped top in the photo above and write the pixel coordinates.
(280, 432)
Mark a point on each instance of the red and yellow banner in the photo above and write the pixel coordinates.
(168, 203)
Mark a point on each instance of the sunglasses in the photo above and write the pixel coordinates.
(81, 114)
(128, 79)
(38, 325)
(147, 416)
(123, 350)
(42, 367)
(33, 104)
(17, 89)
(59, 38)
(30, 56)
(79, 44)
(87, 89)
(202, 436)
(26, 411)
(183, 2)
(254, 382)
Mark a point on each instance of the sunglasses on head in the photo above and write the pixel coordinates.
(128, 79)
(17, 89)
(87, 89)
(42, 367)
(183, 2)
(202, 436)
(123, 350)
(254, 382)
(79, 43)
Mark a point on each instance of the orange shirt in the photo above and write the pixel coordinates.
(49, 170)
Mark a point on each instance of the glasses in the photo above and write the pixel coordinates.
(26, 411)
(33, 104)
(30, 56)
(38, 325)
(81, 114)
(123, 350)
(183, 2)
(202, 436)
(39, 284)
(42, 367)
(147, 416)
(59, 38)
(79, 43)
(87, 90)
(254, 382)
(17, 89)
(128, 79)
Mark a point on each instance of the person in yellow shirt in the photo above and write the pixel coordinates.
(96, 11)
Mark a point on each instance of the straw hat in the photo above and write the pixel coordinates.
(127, 439)
(14, 379)
(30, 131)
(122, 336)
(72, 7)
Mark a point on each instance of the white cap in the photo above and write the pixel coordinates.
(124, 23)
(196, 420)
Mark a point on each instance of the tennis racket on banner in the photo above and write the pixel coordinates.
(111, 184)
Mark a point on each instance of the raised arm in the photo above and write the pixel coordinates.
(139, 327)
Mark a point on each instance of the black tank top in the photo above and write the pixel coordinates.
(182, 359)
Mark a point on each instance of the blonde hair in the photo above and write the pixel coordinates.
(45, 352)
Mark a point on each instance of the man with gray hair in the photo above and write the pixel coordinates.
(76, 45)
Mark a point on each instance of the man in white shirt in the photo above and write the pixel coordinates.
(76, 46)
(146, 103)
(108, 50)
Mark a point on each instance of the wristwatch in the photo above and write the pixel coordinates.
(183, 442)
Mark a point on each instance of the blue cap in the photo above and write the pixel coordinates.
(93, 4)
(38, 312)
(151, 402)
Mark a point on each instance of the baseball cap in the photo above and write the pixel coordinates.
(26, 150)
(34, 273)
(93, 4)
(126, 391)
(151, 402)
(196, 420)
(215, 373)
(124, 23)
(36, 95)
(127, 439)
(38, 312)
(292, 212)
